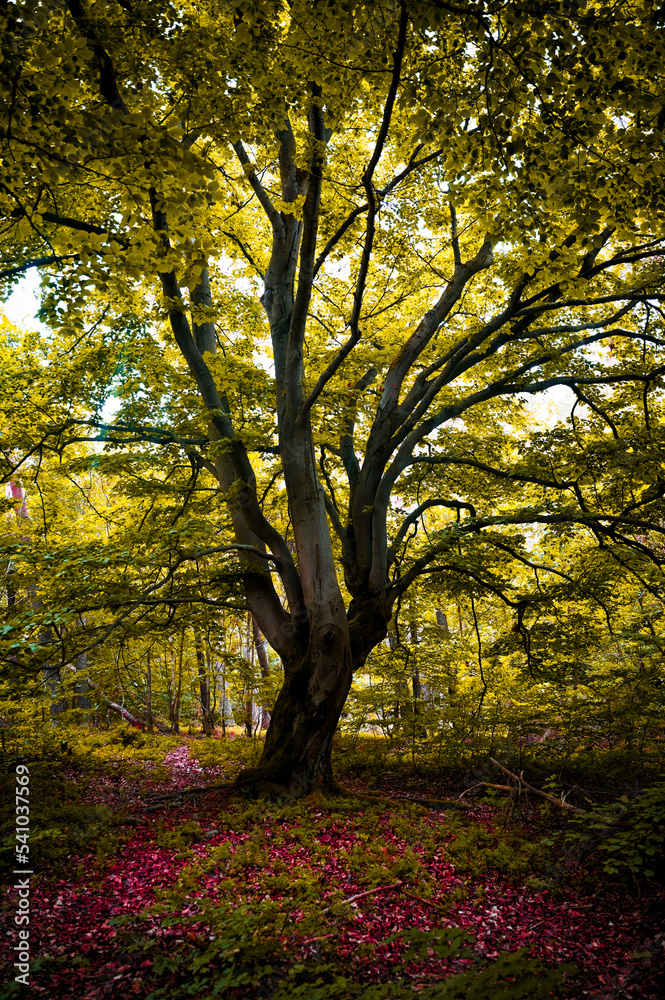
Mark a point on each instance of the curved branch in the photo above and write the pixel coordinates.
(601, 524)
(414, 515)
(257, 186)
(108, 83)
(412, 165)
(10, 272)
(368, 243)
(483, 467)
(245, 252)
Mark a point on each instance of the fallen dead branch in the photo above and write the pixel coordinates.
(122, 711)
(362, 895)
(521, 784)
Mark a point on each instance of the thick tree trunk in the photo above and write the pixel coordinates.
(297, 755)
(53, 682)
(248, 687)
(297, 751)
(52, 676)
(80, 698)
(175, 691)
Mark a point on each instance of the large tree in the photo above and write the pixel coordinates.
(443, 209)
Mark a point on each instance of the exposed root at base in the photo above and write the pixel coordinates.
(375, 797)
(255, 785)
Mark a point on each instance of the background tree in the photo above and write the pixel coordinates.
(376, 231)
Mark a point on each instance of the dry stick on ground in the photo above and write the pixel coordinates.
(361, 895)
(560, 803)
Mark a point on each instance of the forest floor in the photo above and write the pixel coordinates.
(148, 884)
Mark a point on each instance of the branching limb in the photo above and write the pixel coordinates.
(310, 225)
(246, 253)
(473, 463)
(108, 83)
(368, 243)
(416, 514)
(257, 186)
(597, 410)
(413, 164)
(521, 783)
(11, 272)
(346, 446)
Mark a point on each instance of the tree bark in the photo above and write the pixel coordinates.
(298, 745)
(297, 754)
(204, 687)
(248, 687)
(148, 692)
(261, 647)
(81, 699)
(53, 681)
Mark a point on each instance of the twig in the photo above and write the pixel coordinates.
(427, 902)
(361, 895)
(559, 803)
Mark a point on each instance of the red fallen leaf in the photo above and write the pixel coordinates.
(504, 917)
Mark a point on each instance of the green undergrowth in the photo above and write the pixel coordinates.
(231, 754)
(63, 759)
(227, 951)
(511, 851)
(625, 832)
(62, 762)
(608, 770)
(286, 924)
(416, 840)
(621, 790)
(62, 825)
(268, 910)
(127, 744)
(629, 834)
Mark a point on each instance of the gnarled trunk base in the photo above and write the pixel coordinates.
(296, 757)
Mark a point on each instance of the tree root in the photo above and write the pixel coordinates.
(436, 804)
(264, 788)
(160, 800)
(376, 798)
(193, 790)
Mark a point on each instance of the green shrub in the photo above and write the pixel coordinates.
(630, 832)
(255, 946)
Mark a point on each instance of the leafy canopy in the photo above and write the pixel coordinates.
(452, 207)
